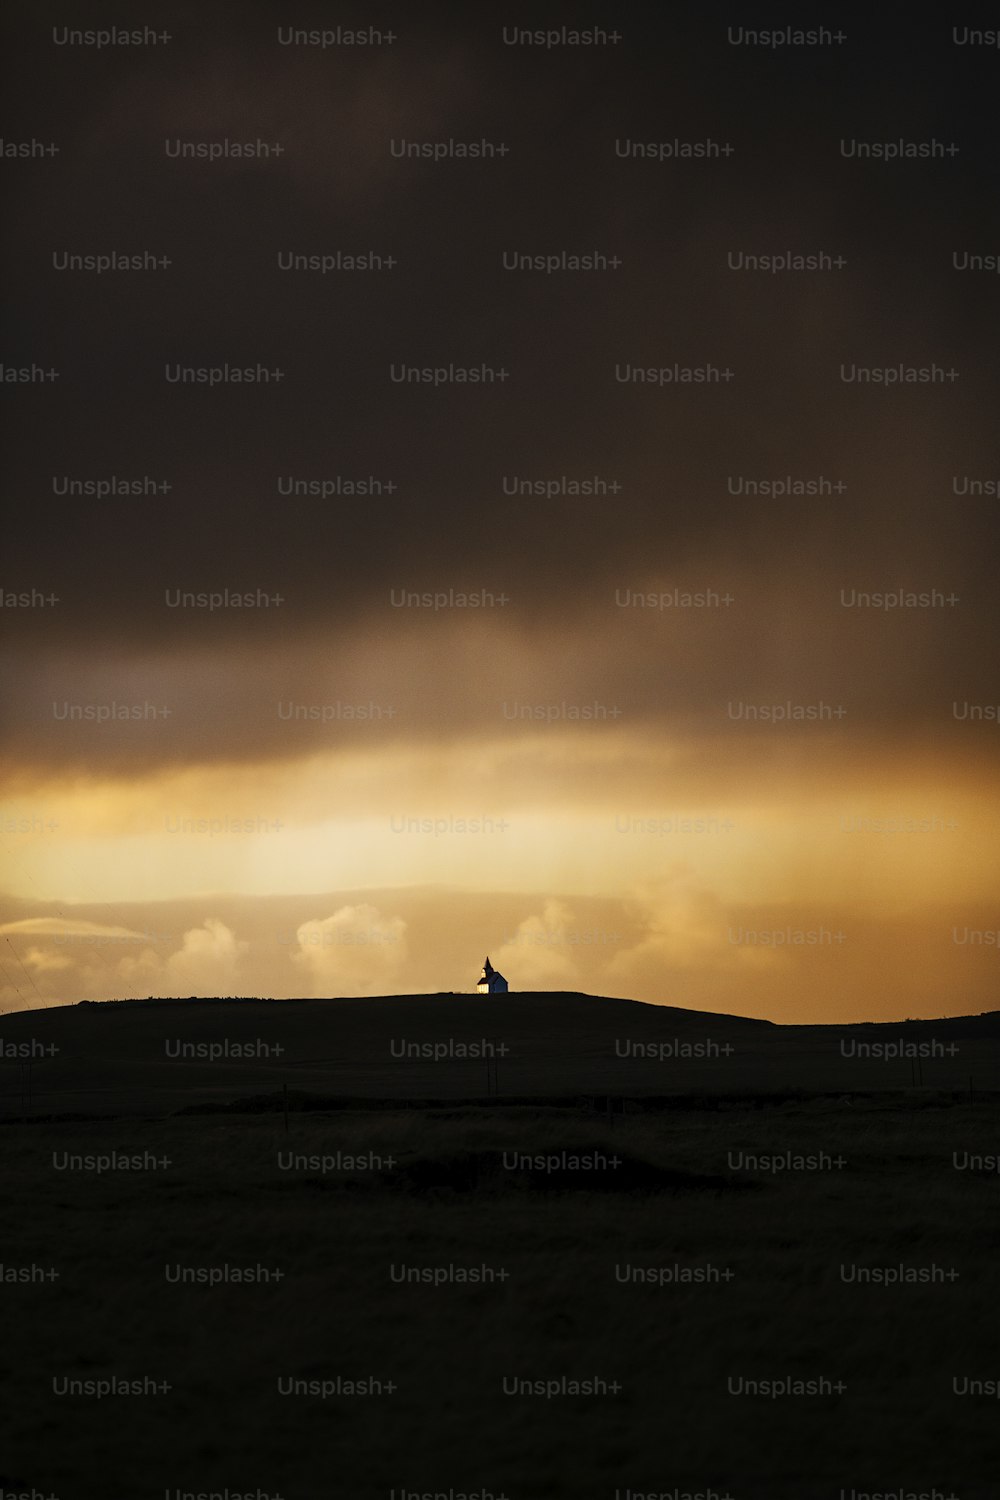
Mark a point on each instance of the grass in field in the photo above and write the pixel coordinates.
(448, 1201)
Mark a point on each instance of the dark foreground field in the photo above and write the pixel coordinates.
(747, 1285)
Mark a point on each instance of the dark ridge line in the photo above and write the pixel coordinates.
(541, 996)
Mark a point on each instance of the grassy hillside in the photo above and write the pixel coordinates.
(156, 1057)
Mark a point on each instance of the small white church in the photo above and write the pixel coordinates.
(491, 981)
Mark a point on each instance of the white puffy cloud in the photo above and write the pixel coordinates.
(207, 963)
(44, 962)
(687, 928)
(356, 951)
(539, 955)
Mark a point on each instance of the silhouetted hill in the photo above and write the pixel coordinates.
(157, 1056)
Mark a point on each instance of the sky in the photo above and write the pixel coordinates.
(644, 683)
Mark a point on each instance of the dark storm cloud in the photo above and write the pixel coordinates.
(448, 524)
